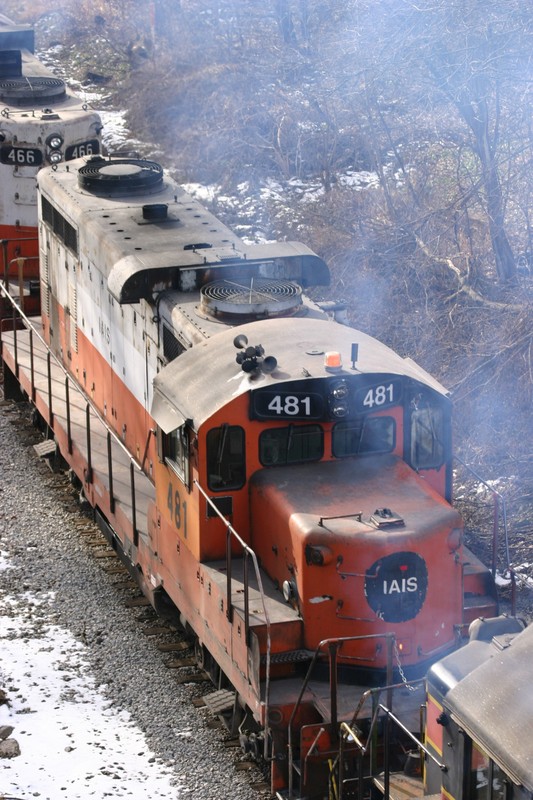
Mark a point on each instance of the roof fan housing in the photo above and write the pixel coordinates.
(27, 90)
(120, 177)
(248, 299)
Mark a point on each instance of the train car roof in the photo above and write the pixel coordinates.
(25, 82)
(14, 36)
(494, 704)
(182, 241)
(207, 377)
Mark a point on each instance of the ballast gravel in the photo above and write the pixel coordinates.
(50, 580)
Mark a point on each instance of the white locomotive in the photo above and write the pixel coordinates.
(42, 122)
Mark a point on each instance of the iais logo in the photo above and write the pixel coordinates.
(396, 586)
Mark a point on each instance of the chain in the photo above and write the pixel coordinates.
(400, 668)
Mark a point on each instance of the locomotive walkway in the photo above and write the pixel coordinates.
(123, 489)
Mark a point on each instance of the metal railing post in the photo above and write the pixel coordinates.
(229, 607)
(89, 470)
(246, 600)
(110, 473)
(49, 377)
(133, 508)
(5, 243)
(32, 368)
(67, 401)
(15, 341)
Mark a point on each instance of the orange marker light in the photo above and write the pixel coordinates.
(332, 360)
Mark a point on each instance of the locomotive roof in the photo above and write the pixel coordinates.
(207, 377)
(156, 235)
(14, 36)
(494, 703)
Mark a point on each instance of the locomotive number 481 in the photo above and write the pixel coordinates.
(290, 405)
(294, 405)
(379, 395)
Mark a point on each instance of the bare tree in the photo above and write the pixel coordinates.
(475, 56)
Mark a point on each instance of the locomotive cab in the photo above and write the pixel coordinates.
(339, 482)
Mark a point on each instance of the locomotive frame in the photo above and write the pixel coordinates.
(286, 489)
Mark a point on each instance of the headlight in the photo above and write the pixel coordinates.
(54, 141)
(55, 157)
(338, 408)
(339, 390)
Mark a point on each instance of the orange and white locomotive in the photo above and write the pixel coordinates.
(295, 506)
(42, 122)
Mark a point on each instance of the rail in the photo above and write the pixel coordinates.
(6, 263)
(498, 502)
(333, 646)
(112, 438)
(20, 261)
(347, 733)
(248, 553)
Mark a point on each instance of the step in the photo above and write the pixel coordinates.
(220, 701)
(401, 786)
(46, 448)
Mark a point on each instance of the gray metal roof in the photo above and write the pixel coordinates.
(494, 703)
(207, 377)
(141, 253)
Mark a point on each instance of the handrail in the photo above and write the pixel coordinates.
(248, 552)
(33, 330)
(498, 498)
(334, 645)
(20, 261)
(89, 403)
(347, 731)
(5, 243)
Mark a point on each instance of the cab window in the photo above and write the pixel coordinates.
(176, 452)
(427, 434)
(226, 468)
(368, 435)
(291, 445)
(486, 780)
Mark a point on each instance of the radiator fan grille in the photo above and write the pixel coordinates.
(118, 177)
(20, 91)
(255, 298)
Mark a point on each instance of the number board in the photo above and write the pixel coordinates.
(90, 148)
(377, 396)
(21, 156)
(287, 405)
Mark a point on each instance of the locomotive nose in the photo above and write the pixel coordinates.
(353, 566)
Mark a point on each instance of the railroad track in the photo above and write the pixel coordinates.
(175, 648)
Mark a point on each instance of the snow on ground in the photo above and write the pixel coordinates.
(73, 743)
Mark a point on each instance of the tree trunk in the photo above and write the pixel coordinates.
(475, 113)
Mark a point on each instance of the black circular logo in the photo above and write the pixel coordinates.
(396, 586)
